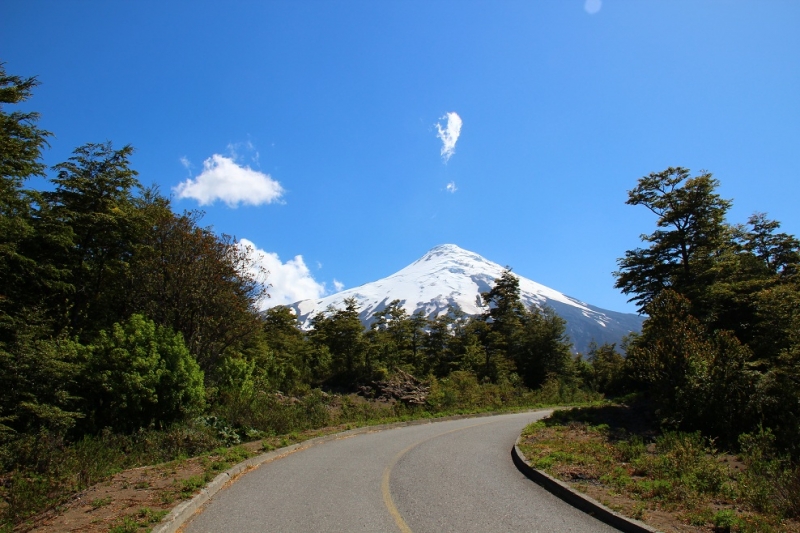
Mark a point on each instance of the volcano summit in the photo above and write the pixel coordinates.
(450, 276)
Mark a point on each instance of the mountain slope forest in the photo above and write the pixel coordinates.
(130, 333)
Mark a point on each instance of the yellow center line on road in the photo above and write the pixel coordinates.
(387, 474)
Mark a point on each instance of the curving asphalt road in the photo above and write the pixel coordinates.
(454, 476)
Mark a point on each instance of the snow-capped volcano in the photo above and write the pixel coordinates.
(448, 275)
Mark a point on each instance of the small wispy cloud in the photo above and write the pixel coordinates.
(451, 187)
(338, 285)
(223, 179)
(449, 134)
(289, 282)
(186, 163)
(241, 150)
(593, 6)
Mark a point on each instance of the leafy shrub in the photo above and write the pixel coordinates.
(141, 374)
(224, 432)
(771, 482)
(724, 520)
(630, 449)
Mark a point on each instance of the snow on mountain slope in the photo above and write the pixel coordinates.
(449, 275)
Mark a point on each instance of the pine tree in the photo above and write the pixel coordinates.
(341, 332)
(21, 145)
(503, 316)
(544, 348)
(90, 227)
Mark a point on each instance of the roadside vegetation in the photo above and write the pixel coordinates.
(669, 479)
(131, 334)
(716, 369)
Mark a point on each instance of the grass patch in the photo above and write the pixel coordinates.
(101, 502)
(143, 519)
(188, 487)
(642, 470)
(221, 459)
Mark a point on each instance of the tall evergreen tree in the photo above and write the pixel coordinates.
(544, 347)
(37, 372)
(341, 332)
(296, 362)
(389, 337)
(681, 253)
(92, 214)
(504, 316)
(21, 145)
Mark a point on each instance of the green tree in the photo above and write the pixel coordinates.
(397, 339)
(681, 253)
(21, 145)
(39, 377)
(454, 343)
(671, 356)
(757, 263)
(778, 253)
(718, 351)
(697, 379)
(544, 349)
(389, 338)
(777, 396)
(439, 346)
(21, 140)
(296, 361)
(530, 343)
(90, 226)
(505, 310)
(607, 369)
(342, 333)
(187, 278)
(504, 317)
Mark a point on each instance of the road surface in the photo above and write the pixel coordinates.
(451, 476)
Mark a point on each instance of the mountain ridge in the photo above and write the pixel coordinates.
(448, 275)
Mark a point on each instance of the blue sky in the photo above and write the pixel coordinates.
(325, 114)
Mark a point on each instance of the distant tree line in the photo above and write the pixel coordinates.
(507, 343)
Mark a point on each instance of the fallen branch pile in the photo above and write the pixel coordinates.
(402, 386)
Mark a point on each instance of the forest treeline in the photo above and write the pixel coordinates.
(119, 315)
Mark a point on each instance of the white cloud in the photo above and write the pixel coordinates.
(186, 163)
(593, 6)
(289, 282)
(451, 187)
(449, 134)
(338, 285)
(223, 179)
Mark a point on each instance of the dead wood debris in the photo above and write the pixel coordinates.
(402, 387)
